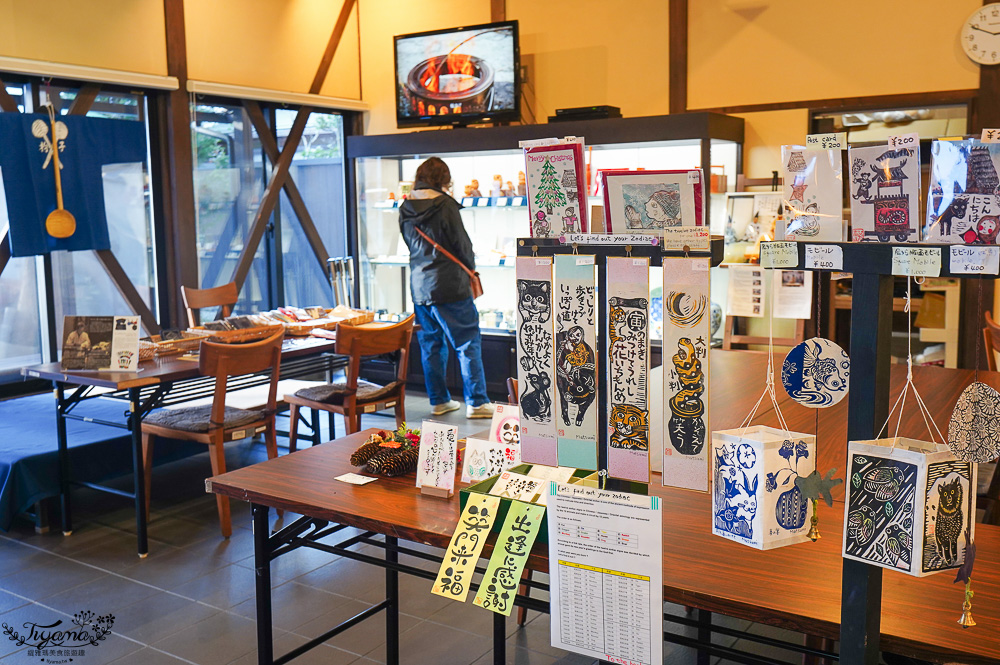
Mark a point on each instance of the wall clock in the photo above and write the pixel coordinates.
(981, 35)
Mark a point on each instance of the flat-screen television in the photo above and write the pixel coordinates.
(458, 76)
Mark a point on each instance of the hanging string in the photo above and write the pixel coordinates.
(768, 380)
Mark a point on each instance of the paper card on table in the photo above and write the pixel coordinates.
(560, 474)
(484, 459)
(606, 574)
(779, 254)
(962, 202)
(101, 343)
(576, 362)
(628, 368)
(812, 195)
(557, 188)
(916, 261)
(466, 544)
(536, 378)
(885, 194)
(438, 450)
(824, 257)
(792, 294)
(975, 260)
(355, 479)
(506, 424)
(512, 485)
(510, 553)
(746, 291)
(686, 336)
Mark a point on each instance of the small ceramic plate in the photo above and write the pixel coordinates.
(816, 372)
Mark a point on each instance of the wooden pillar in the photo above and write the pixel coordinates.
(678, 56)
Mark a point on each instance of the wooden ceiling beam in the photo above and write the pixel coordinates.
(331, 47)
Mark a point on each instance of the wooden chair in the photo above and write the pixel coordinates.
(224, 296)
(355, 395)
(216, 424)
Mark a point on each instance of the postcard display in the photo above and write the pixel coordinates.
(535, 369)
(663, 203)
(885, 194)
(556, 186)
(812, 194)
(962, 203)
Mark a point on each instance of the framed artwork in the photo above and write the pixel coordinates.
(628, 368)
(962, 203)
(652, 201)
(885, 194)
(812, 195)
(555, 176)
(536, 377)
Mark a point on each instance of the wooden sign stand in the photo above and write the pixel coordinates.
(440, 492)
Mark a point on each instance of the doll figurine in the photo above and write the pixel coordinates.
(508, 190)
(473, 189)
(496, 188)
(522, 189)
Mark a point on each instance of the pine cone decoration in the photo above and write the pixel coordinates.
(376, 462)
(365, 453)
(401, 464)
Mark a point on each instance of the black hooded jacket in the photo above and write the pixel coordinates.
(434, 278)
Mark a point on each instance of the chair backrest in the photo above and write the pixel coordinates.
(194, 299)
(991, 341)
(373, 340)
(512, 390)
(225, 360)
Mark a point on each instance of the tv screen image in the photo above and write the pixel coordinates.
(458, 76)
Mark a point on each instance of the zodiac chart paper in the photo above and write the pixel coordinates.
(576, 361)
(536, 378)
(628, 368)
(686, 337)
(557, 190)
(885, 194)
(962, 204)
(813, 196)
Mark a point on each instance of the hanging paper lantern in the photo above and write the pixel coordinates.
(755, 499)
(910, 505)
(816, 373)
(974, 428)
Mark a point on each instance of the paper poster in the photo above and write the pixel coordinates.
(438, 451)
(557, 189)
(101, 343)
(746, 291)
(885, 194)
(606, 574)
(484, 459)
(792, 294)
(512, 485)
(812, 195)
(652, 201)
(510, 553)
(686, 338)
(575, 361)
(962, 203)
(505, 426)
(628, 368)
(536, 378)
(465, 547)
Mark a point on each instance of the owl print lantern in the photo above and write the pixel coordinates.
(910, 505)
(755, 500)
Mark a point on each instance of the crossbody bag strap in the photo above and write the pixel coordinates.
(444, 251)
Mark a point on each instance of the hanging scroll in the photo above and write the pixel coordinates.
(535, 372)
(686, 334)
(510, 553)
(628, 368)
(465, 547)
(575, 361)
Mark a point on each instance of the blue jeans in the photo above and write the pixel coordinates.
(458, 323)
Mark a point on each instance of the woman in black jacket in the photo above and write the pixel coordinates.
(442, 297)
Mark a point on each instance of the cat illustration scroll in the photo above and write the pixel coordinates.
(536, 360)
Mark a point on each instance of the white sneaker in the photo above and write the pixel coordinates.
(481, 411)
(447, 407)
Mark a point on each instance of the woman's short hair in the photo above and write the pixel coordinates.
(434, 172)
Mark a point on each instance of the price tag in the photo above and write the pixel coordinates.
(779, 254)
(916, 261)
(825, 257)
(543, 262)
(911, 140)
(975, 260)
(830, 141)
(990, 136)
(693, 237)
(585, 260)
(694, 177)
(701, 265)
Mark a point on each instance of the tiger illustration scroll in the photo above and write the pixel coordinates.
(686, 335)
(535, 360)
(628, 368)
(910, 506)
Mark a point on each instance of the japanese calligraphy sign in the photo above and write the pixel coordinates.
(438, 450)
(484, 459)
(503, 574)
(465, 547)
(535, 360)
(576, 361)
(686, 335)
(628, 368)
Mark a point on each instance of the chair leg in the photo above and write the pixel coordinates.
(217, 454)
(330, 425)
(316, 438)
(525, 591)
(349, 422)
(400, 413)
(271, 440)
(293, 428)
(147, 466)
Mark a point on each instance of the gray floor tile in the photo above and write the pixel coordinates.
(237, 547)
(515, 656)
(18, 557)
(148, 656)
(220, 638)
(222, 588)
(360, 639)
(160, 616)
(294, 564)
(48, 577)
(109, 593)
(169, 569)
(293, 605)
(467, 617)
(436, 644)
(320, 655)
(9, 601)
(115, 550)
(348, 578)
(16, 619)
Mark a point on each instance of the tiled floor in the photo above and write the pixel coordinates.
(192, 599)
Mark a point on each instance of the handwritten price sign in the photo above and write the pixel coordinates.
(831, 141)
(911, 140)
(975, 260)
(779, 255)
(916, 261)
(990, 136)
(825, 257)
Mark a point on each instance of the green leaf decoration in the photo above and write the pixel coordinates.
(889, 510)
(879, 549)
(856, 480)
(861, 460)
(907, 507)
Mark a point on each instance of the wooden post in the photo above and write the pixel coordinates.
(677, 31)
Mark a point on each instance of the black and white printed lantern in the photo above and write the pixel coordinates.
(755, 500)
(910, 505)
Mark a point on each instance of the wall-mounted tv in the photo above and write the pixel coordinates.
(458, 76)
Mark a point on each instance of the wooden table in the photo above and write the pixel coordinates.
(146, 390)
